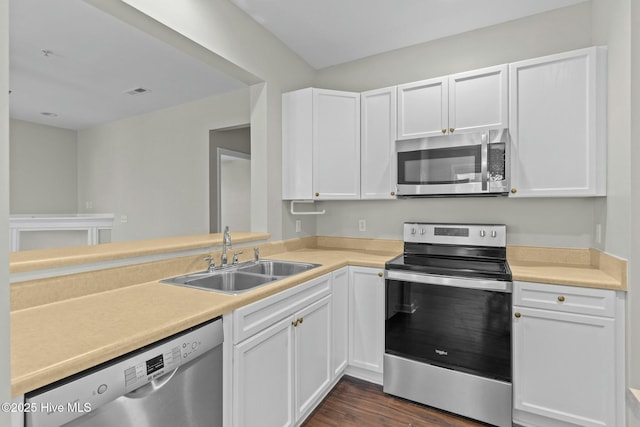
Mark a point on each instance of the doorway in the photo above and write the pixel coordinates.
(230, 179)
(234, 190)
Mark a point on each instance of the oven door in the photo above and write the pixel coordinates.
(454, 323)
(474, 163)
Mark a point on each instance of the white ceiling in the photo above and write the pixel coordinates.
(330, 32)
(94, 59)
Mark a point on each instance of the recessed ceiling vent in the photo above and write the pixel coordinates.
(137, 91)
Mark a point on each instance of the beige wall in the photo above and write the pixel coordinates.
(633, 315)
(556, 31)
(154, 168)
(43, 167)
(612, 27)
(232, 35)
(5, 355)
(545, 222)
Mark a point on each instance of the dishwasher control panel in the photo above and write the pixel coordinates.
(155, 363)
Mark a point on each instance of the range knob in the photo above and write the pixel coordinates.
(413, 231)
(422, 231)
(482, 233)
(494, 233)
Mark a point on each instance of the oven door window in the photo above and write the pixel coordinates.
(468, 330)
(454, 165)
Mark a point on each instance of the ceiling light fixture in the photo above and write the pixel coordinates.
(137, 91)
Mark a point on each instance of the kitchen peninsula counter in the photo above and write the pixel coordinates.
(52, 340)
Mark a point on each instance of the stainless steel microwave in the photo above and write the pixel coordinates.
(471, 164)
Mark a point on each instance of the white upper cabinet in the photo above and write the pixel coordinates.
(378, 134)
(423, 108)
(297, 144)
(558, 124)
(464, 102)
(478, 100)
(321, 145)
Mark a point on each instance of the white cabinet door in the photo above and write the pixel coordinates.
(339, 321)
(297, 145)
(336, 145)
(366, 318)
(557, 121)
(320, 145)
(312, 355)
(378, 162)
(423, 108)
(478, 100)
(564, 366)
(263, 378)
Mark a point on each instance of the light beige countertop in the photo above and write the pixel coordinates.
(65, 325)
(52, 341)
(42, 259)
(574, 267)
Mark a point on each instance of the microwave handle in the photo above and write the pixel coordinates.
(484, 149)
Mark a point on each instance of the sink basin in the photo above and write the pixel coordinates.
(243, 277)
(276, 268)
(230, 281)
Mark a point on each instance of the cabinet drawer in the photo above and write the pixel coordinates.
(569, 299)
(253, 318)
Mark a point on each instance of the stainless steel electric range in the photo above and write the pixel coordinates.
(448, 320)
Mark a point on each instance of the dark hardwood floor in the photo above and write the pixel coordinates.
(354, 402)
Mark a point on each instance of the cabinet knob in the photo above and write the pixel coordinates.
(451, 130)
(294, 323)
(517, 314)
(393, 193)
(300, 320)
(380, 274)
(514, 190)
(561, 298)
(444, 130)
(317, 194)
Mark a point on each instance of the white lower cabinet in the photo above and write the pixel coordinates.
(263, 378)
(568, 365)
(312, 356)
(283, 370)
(339, 321)
(366, 323)
(289, 349)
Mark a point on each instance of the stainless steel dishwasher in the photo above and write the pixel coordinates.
(173, 382)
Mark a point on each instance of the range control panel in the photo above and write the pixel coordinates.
(456, 234)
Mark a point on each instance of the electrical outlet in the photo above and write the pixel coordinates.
(298, 225)
(124, 219)
(362, 225)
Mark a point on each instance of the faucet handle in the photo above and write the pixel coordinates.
(256, 254)
(211, 261)
(235, 257)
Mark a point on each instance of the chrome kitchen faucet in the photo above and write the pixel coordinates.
(226, 244)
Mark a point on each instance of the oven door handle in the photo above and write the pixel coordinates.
(428, 279)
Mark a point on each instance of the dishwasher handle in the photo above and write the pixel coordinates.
(152, 386)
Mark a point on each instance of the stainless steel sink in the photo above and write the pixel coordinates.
(243, 277)
(276, 268)
(231, 281)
